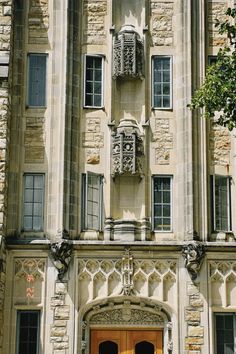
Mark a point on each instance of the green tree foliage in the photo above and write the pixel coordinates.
(217, 95)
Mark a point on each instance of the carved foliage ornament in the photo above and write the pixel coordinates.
(61, 256)
(193, 254)
(127, 316)
(128, 54)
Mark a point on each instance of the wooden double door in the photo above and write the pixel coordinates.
(104, 341)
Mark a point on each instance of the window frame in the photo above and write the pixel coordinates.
(18, 328)
(84, 202)
(213, 204)
(171, 203)
(85, 81)
(215, 328)
(212, 59)
(43, 202)
(170, 107)
(28, 101)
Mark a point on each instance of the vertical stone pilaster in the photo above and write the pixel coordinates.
(5, 101)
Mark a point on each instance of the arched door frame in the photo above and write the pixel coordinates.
(124, 312)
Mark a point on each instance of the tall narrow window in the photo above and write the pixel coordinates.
(221, 203)
(92, 201)
(33, 202)
(162, 213)
(37, 80)
(225, 333)
(28, 332)
(93, 81)
(162, 82)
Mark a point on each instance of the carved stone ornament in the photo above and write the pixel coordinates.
(124, 316)
(127, 149)
(128, 54)
(127, 270)
(193, 254)
(61, 256)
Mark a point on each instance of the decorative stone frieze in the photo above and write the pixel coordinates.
(34, 140)
(216, 10)
(128, 54)
(193, 254)
(94, 21)
(127, 149)
(61, 256)
(163, 141)
(142, 277)
(161, 22)
(220, 145)
(124, 316)
(38, 22)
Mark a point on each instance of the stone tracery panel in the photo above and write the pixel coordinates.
(105, 278)
(29, 277)
(223, 276)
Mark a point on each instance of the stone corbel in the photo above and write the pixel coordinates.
(61, 256)
(193, 254)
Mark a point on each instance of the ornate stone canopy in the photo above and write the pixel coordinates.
(128, 54)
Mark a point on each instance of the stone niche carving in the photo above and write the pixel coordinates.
(127, 54)
(127, 149)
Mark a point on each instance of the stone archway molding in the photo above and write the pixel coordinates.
(125, 311)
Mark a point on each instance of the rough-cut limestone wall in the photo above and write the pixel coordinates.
(220, 145)
(5, 47)
(162, 141)
(161, 22)
(216, 10)
(59, 335)
(195, 338)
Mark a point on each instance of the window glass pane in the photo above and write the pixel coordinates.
(162, 203)
(28, 329)
(37, 80)
(225, 333)
(221, 206)
(161, 82)
(33, 202)
(92, 205)
(98, 75)
(93, 82)
(166, 101)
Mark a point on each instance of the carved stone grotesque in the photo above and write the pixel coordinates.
(128, 54)
(127, 149)
(193, 254)
(61, 256)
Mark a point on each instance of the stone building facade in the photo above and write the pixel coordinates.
(117, 216)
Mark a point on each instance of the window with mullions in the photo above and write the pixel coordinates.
(28, 332)
(93, 81)
(33, 202)
(36, 80)
(162, 82)
(221, 203)
(225, 333)
(162, 200)
(92, 203)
